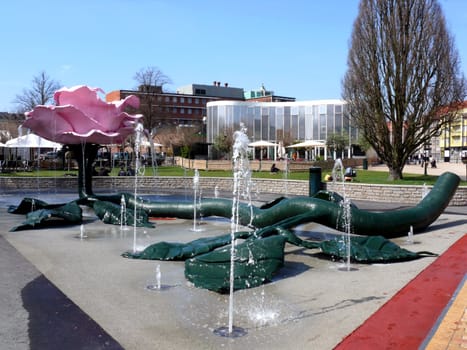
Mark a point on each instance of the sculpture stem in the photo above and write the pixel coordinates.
(85, 156)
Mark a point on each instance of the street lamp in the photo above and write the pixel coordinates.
(464, 160)
(427, 149)
(205, 135)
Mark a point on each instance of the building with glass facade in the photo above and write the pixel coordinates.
(287, 122)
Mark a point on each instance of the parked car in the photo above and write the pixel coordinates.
(159, 158)
(121, 156)
(51, 155)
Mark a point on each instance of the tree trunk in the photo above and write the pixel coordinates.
(395, 173)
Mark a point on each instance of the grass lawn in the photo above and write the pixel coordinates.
(363, 176)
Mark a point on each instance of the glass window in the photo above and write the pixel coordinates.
(287, 120)
(257, 130)
(280, 122)
(272, 123)
(315, 127)
(295, 128)
(264, 127)
(174, 99)
(330, 120)
(338, 122)
(322, 127)
(301, 128)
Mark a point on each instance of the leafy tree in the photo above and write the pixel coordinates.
(338, 142)
(41, 92)
(223, 143)
(402, 69)
(151, 82)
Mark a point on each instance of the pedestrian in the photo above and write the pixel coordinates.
(274, 169)
(130, 171)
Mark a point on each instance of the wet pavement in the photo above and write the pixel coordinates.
(63, 292)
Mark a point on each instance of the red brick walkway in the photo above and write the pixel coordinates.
(406, 320)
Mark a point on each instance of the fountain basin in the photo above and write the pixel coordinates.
(306, 296)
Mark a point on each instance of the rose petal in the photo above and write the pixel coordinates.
(81, 116)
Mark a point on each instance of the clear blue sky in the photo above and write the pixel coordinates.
(296, 48)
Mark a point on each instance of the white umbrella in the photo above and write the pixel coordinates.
(309, 143)
(31, 141)
(280, 150)
(262, 143)
(147, 144)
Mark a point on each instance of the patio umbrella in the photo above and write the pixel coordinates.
(31, 141)
(280, 150)
(261, 144)
(147, 144)
(308, 144)
(311, 144)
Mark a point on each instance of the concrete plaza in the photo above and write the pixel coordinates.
(63, 291)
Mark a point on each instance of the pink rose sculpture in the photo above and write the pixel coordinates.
(81, 116)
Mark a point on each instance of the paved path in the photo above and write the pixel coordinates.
(456, 168)
(417, 313)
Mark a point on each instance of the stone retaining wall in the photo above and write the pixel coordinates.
(355, 191)
(265, 164)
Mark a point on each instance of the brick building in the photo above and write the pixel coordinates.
(185, 107)
(188, 105)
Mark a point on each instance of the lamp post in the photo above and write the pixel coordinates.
(205, 136)
(427, 150)
(464, 160)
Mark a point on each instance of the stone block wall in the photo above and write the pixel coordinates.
(355, 191)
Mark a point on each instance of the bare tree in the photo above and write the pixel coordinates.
(402, 69)
(151, 81)
(41, 92)
(286, 137)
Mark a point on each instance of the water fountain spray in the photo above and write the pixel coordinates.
(410, 235)
(157, 286)
(241, 186)
(196, 199)
(138, 139)
(123, 222)
(286, 175)
(82, 235)
(345, 219)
